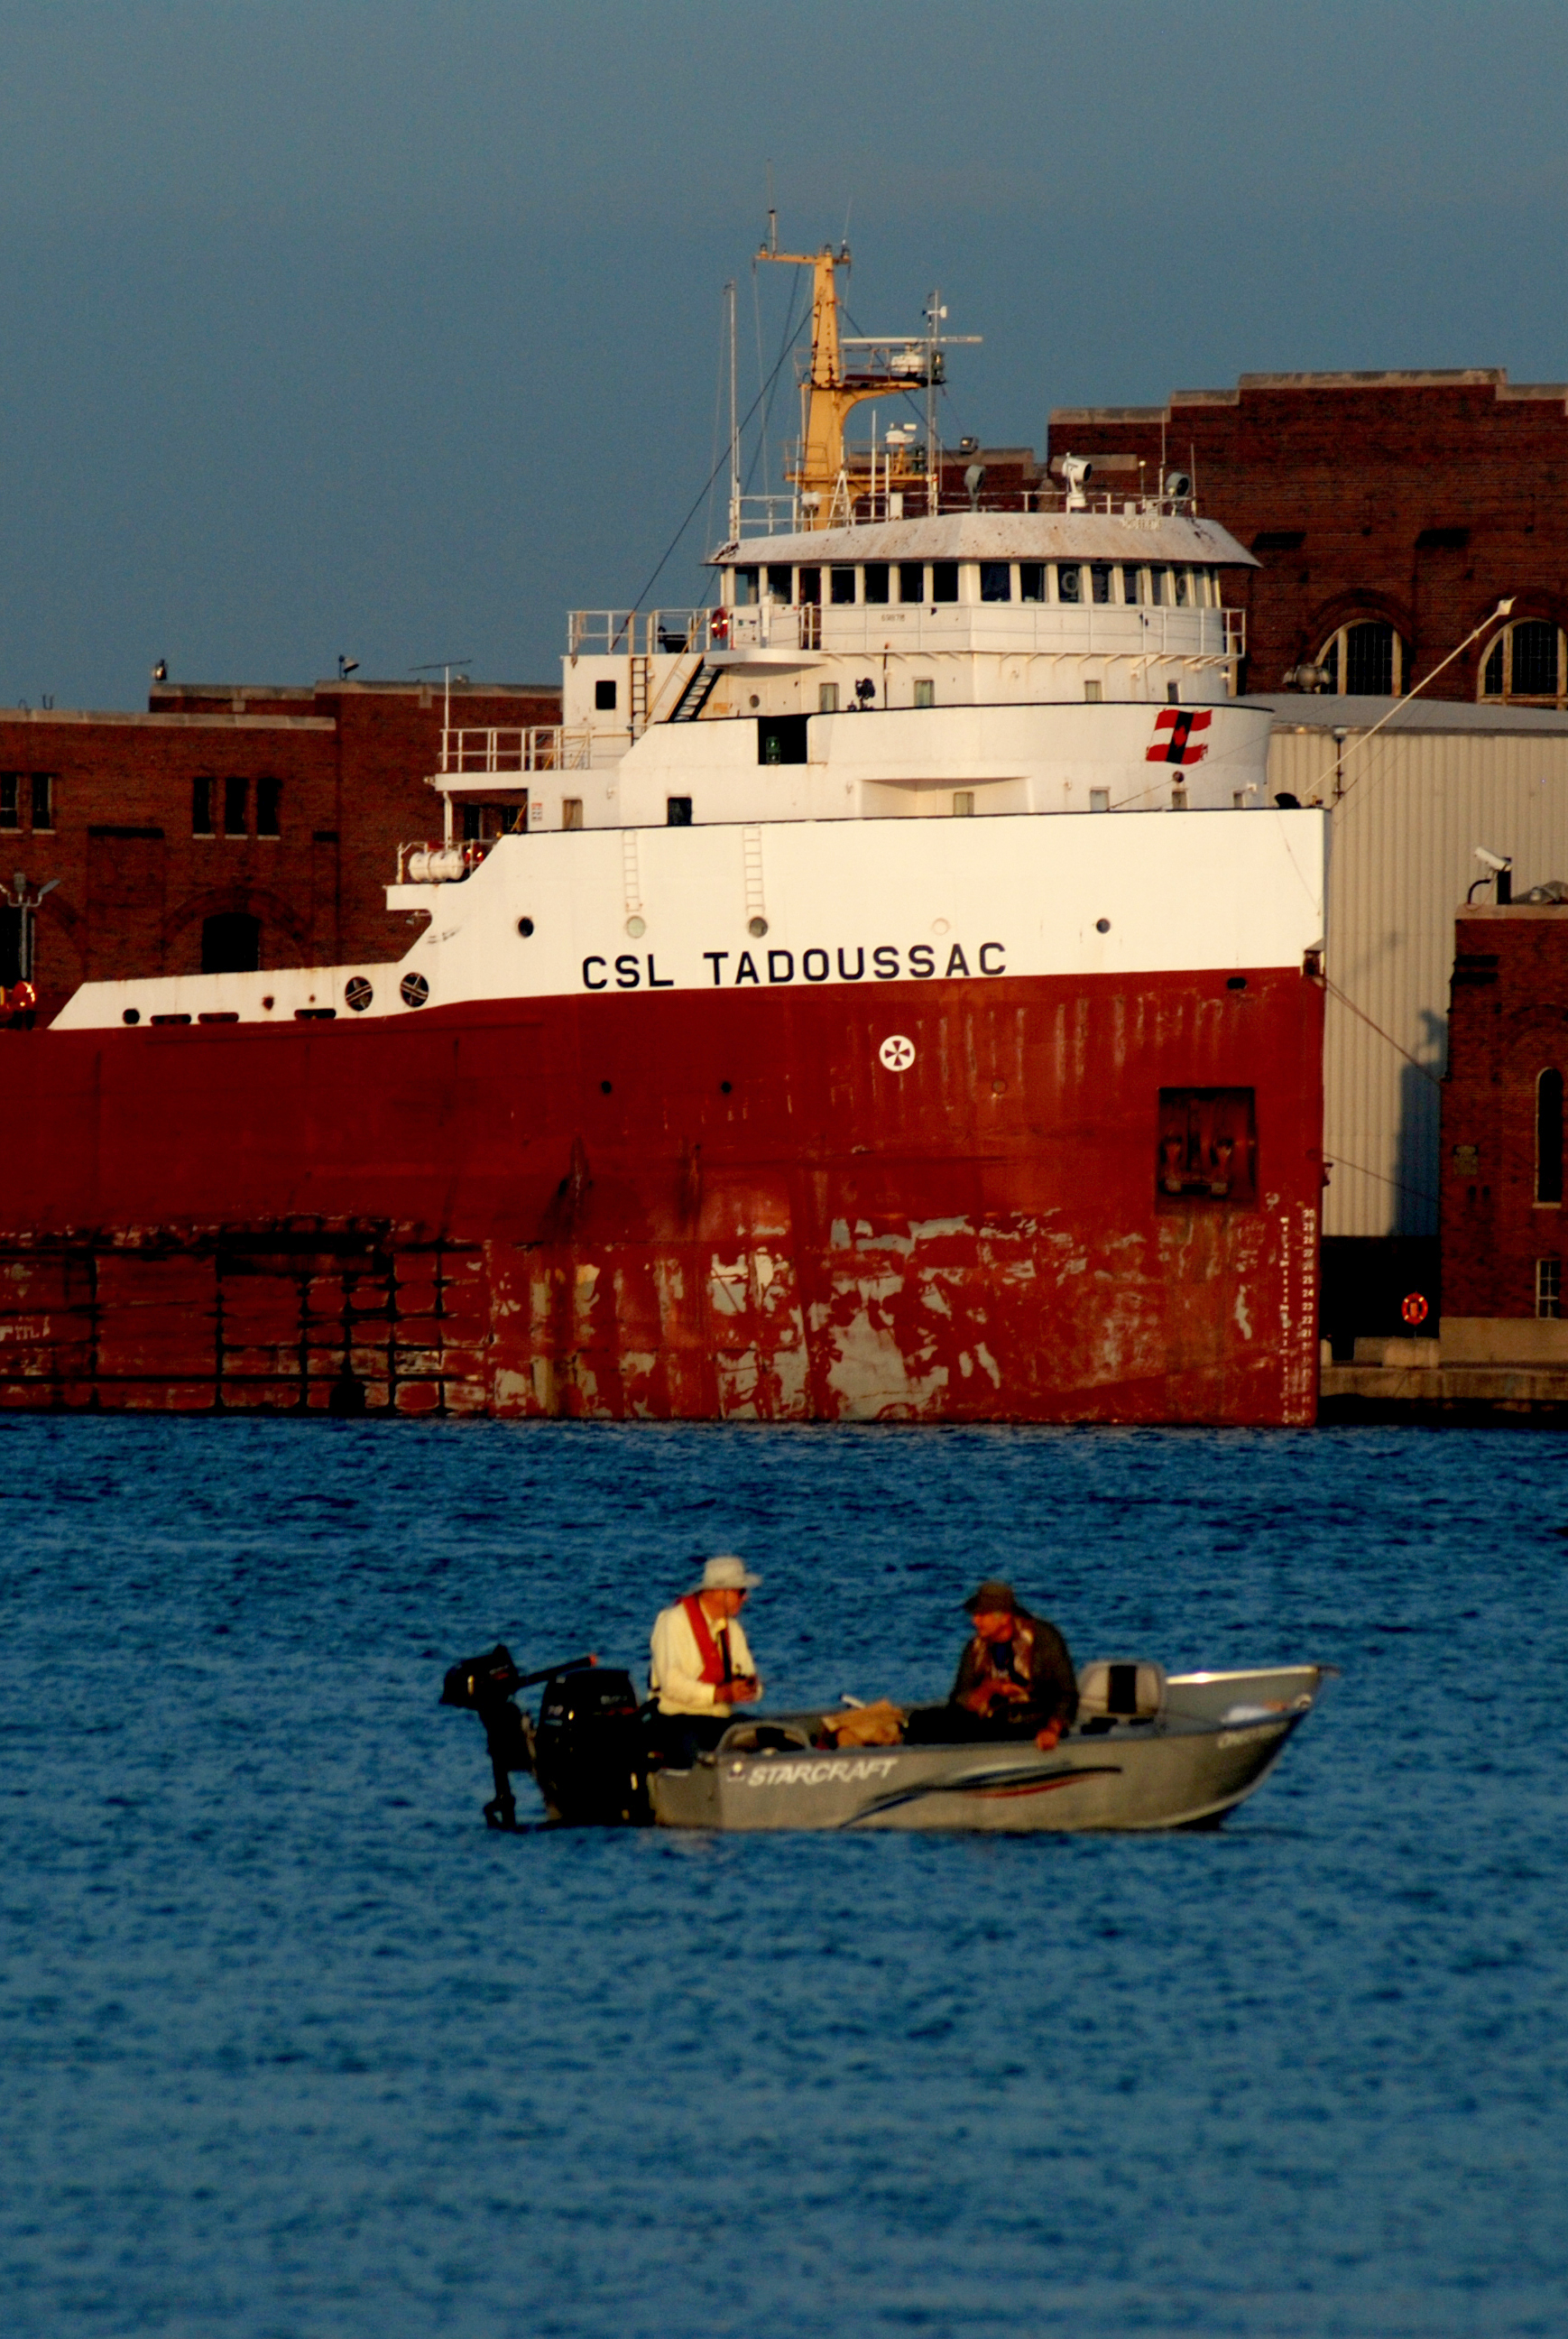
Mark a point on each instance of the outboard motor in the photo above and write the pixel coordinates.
(590, 1752)
(484, 1686)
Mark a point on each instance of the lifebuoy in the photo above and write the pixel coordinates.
(1413, 1307)
(719, 626)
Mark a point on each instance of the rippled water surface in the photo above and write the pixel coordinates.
(293, 2046)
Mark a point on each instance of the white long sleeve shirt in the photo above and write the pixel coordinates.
(675, 1674)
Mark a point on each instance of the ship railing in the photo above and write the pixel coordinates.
(529, 747)
(1084, 629)
(639, 632)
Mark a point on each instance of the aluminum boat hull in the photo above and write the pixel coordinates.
(1216, 1743)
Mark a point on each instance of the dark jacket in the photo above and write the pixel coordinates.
(1037, 1656)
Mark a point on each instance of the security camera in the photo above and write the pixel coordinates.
(1494, 860)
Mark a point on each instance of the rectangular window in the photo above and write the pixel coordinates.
(236, 804)
(745, 587)
(1069, 582)
(1093, 692)
(945, 580)
(1099, 580)
(911, 581)
(1181, 576)
(827, 698)
(1031, 580)
(605, 695)
(778, 584)
(572, 811)
(269, 797)
(1173, 693)
(842, 588)
(10, 800)
(1130, 580)
(925, 692)
(877, 581)
(42, 799)
(1549, 1137)
(1548, 1289)
(1206, 1148)
(781, 739)
(810, 588)
(995, 580)
(679, 812)
(1159, 588)
(1100, 800)
(202, 807)
(963, 803)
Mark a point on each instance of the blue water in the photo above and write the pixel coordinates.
(289, 2045)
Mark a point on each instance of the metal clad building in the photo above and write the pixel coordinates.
(1415, 802)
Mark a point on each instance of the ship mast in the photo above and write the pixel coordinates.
(893, 365)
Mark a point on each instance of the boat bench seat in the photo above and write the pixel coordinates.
(1112, 1690)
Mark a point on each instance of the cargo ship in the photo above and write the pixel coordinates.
(888, 994)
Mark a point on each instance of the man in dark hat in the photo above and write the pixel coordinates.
(1015, 1678)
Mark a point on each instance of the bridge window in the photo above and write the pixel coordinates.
(911, 581)
(1182, 593)
(877, 582)
(843, 588)
(230, 943)
(995, 580)
(1130, 581)
(1549, 1138)
(945, 580)
(1525, 661)
(1031, 580)
(745, 587)
(1159, 588)
(810, 588)
(778, 584)
(1364, 660)
(1100, 582)
(1069, 582)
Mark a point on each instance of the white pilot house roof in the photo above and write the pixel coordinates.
(1134, 537)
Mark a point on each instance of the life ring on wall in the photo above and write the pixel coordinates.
(719, 626)
(1413, 1307)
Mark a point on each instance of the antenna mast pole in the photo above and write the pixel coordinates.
(735, 527)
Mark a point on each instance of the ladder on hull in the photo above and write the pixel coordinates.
(701, 684)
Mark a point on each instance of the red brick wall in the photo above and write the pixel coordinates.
(1361, 468)
(1508, 1022)
(135, 885)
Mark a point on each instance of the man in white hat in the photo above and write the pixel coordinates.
(702, 1668)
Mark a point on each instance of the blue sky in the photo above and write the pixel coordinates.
(392, 329)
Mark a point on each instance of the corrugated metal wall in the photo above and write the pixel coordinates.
(1415, 805)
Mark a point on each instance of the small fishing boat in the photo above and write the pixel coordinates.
(1147, 1751)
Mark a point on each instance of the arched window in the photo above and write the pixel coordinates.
(1365, 660)
(1549, 1138)
(230, 943)
(1525, 661)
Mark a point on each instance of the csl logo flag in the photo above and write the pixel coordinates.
(1174, 742)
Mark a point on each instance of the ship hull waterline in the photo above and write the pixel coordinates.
(680, 1206)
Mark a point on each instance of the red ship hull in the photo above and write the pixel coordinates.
(692, 1207)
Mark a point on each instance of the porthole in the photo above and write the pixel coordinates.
(724, 1087)
(414, 990)
(131, 1015)
(757, 926)
(605, 1087)
(359, 993)
(636, 928)
(525, 927)
(1102, 926)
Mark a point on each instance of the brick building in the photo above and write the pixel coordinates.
(227, 827)
(1391, 512)
(1502, 1134)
